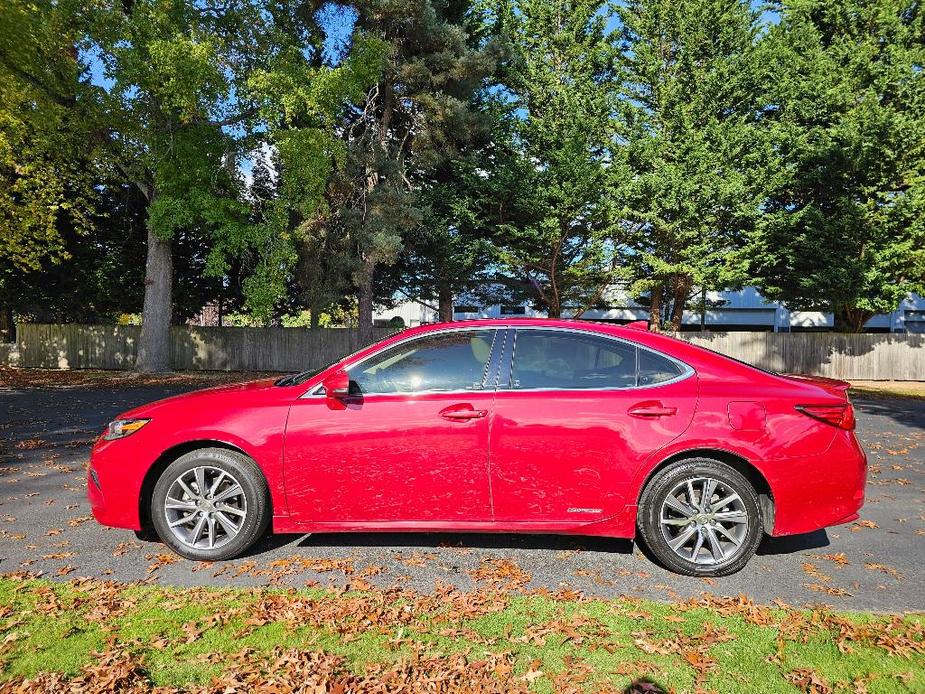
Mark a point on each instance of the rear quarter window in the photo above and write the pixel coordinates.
(654, 368)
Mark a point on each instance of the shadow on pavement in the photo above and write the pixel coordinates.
(904, 411)
(474, 540)
(793, 543)
(770, 546)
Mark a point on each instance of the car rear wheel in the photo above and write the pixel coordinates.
(210, 504)
(700, 517)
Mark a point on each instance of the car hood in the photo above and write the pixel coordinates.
(233, 389)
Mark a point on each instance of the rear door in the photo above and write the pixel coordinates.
(575, 417)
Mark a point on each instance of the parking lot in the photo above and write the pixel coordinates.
(876, 563)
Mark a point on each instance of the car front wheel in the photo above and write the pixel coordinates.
(700, 517)
(210, 504)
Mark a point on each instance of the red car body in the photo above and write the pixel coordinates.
(501, 459)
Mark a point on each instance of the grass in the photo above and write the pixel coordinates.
(546, 642)
(889, 389)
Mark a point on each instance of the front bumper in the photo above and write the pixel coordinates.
(113, 487)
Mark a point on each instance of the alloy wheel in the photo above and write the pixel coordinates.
(205, 507)
(704, 520)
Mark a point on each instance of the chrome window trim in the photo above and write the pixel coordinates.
(495, 329)
(506, 368)
(686, 369)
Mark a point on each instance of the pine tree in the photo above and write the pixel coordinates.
(555, 222)
(699, 158)
(408, 126)
(845, 228)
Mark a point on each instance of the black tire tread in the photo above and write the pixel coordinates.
(256, 491)
(650, 505)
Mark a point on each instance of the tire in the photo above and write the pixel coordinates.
(227, 522)
(724, 537)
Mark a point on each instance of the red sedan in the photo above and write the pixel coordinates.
(535, 426)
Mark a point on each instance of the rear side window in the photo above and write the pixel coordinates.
(557, 359)
(654, 368)
(572, 361)
(448, 361)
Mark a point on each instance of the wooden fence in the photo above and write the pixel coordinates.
(864, 356)
(191, 348)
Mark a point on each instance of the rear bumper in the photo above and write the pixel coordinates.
(819, 491)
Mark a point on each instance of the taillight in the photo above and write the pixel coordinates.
(841, 415)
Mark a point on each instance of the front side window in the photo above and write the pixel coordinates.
(566, 360)
(448, 361)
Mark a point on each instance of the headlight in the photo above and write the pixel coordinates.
(121, 428)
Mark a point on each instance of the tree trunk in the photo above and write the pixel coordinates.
(7, 325)
(365, 302)
(703, 309)
(314, 313)
(445, 304)
(849, 319)
(655, 309)
(681, 288)
(154, 343)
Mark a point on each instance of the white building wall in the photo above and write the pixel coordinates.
(741, 308)
(411, 312)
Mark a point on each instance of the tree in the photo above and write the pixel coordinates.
(407, 125)
(46, 175)
(555, 223)
(845, 229)
(302, 102)
(449, 254)
(175, 117)
(699, 158)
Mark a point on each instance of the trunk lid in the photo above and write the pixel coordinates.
(832, 386)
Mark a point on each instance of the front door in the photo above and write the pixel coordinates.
(580, 414)
(409, 444)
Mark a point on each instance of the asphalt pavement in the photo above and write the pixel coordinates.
(877, 563)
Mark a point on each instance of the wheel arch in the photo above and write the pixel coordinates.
(165, 459)
(734, 460)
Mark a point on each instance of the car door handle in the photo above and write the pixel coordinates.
(461, 413)
(652, 409)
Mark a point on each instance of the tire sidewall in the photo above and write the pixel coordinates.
(248, 475)
(650, 511)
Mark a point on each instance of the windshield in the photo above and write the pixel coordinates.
(303, 376)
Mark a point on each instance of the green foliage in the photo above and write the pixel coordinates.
(699, 159)
(845, 227)
(301, 103)
(455, 145)
(555, 220)
(45, 180)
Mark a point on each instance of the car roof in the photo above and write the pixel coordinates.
(633, 334)
(701, 360)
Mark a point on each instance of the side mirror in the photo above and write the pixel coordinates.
(337, 385)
